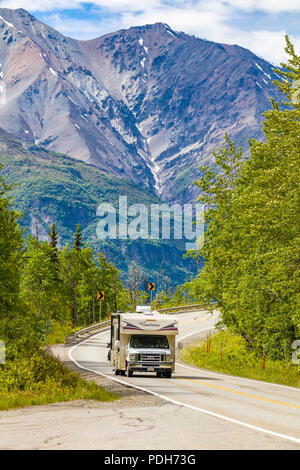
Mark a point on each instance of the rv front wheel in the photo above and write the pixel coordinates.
(129, 372)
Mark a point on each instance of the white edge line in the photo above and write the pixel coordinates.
(195, 333)
(178, 403)
(236, 377)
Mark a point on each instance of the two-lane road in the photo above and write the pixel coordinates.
(266, 409)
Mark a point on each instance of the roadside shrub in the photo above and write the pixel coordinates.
(36, 372)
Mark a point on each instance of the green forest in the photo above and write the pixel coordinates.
(251, 246)
(46, 293)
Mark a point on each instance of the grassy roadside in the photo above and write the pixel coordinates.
(237, 360)
(59, 332)
(40, 379)
(53, 394)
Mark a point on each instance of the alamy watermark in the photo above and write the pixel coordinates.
(159, 221)
(296, 353)
(2, 88)
(2, 352)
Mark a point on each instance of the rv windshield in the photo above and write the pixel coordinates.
(149, 341)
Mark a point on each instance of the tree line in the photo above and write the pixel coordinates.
(42, 283)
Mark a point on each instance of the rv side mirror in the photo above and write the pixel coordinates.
(180, 345)
(117, 344)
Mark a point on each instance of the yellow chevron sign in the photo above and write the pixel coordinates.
(100, 295)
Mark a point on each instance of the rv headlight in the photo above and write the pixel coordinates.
(168, 357)
(132, 357)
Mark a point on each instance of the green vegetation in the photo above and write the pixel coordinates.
(168, 298)
(238, 360)
(45, 292)
(50, 187)
(251, 251)
(40, 379)
(252, 244)
(62, 285)
(59, 331)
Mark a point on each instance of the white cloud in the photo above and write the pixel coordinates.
(190, 20)
(81, 29)
(216, 20)
(267, 44)
(52, 5)
(213, 24)
(41, 5)
(271, 6)
(127, 5)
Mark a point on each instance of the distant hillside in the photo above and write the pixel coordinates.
(57, 188)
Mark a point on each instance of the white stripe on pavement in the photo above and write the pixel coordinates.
(178, 403)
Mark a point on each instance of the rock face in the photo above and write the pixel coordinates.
(147, 104)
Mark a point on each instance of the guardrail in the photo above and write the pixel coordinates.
(183, 308)
(88, 331)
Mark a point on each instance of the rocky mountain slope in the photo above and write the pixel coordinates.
(50, 187)
(147, 104)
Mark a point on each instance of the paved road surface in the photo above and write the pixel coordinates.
(270, 409)
(196, 409)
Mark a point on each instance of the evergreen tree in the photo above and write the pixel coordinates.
(17, 327)
(53, 235)
(10, 251)
(78, 239)
(40, 284)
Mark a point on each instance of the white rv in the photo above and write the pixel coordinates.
(143, 342)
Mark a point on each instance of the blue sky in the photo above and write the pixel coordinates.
(257, 25)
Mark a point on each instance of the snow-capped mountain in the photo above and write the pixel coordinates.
(148, 103)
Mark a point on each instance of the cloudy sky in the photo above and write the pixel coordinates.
(259, 25)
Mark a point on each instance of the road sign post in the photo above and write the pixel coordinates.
(100, 297)
(151, 288)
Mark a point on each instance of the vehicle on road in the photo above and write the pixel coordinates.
(143, 342)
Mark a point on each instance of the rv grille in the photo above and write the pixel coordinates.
(150, 358)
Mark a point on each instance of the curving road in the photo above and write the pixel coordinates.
(269, 410)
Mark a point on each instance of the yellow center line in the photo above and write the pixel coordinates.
(192, 321)
(241, 393)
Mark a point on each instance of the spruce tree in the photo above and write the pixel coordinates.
(53, 235)
(76, 262)
(78, 239)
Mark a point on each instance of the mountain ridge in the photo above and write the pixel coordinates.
(148, 103)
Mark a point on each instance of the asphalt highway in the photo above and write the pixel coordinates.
(266, 409)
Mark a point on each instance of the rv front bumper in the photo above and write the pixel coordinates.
(150, 367)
